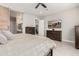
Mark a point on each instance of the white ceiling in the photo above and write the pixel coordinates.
(30, 8)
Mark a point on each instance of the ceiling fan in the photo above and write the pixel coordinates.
(42, 4)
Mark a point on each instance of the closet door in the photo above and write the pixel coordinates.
(41, 28)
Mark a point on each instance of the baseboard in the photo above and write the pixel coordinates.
(68, 41)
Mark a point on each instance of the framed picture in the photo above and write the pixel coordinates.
(54, 24)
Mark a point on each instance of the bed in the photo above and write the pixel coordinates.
(28, 45)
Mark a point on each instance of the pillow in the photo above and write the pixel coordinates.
(3, 39)
(8, 34)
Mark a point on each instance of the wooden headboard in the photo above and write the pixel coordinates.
(4, 17)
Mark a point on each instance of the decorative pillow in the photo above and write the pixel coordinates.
(3, 39)
(8, 34)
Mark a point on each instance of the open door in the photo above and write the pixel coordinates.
(41, 28)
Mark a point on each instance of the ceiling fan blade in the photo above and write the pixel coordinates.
(37, 5)
(44, 5)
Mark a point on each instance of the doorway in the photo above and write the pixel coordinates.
(39, 26)
(13, 28)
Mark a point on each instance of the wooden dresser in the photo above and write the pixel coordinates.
(77, 37)
(30, 30)
(54, 35)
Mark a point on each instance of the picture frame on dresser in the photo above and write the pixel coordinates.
(54, 24)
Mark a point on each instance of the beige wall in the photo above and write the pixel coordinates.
(69, 18)
(28, 20)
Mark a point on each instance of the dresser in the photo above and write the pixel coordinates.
(77, 37)
(54, 35)
(30, 30)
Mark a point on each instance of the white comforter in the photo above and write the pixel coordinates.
(27, 45)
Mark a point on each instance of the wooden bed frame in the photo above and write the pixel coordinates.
(50, 53)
